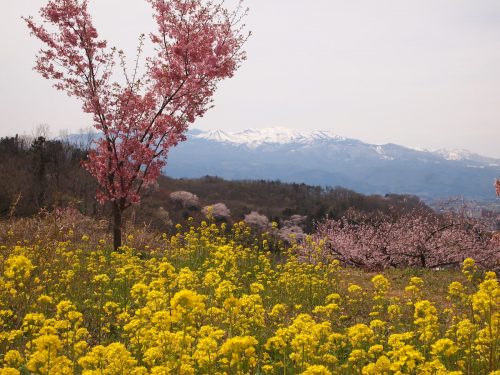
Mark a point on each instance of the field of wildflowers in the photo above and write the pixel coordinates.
(215, 299)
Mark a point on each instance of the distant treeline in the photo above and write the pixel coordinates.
(38, 174)
(278, 200)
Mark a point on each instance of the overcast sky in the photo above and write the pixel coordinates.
(422, 73)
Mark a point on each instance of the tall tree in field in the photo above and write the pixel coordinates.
(198, 43)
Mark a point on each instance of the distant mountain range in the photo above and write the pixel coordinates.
(323, 158)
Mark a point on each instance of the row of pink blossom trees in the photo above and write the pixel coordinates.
(140, 117)
(415, 239)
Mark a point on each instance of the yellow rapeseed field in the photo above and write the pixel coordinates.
(216, 300)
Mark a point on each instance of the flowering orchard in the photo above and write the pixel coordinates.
(198, 44)
(415, 239)
(215, 300)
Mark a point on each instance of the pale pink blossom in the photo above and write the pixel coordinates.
(416, 239)
(185, 199)
(256, 220)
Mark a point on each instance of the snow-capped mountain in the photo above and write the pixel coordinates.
(258, 137)
(324, 158)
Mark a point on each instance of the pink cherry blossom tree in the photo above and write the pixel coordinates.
(197, 44)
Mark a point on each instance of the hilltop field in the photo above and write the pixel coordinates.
(221, 299)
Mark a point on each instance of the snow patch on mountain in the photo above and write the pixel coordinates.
(456, 154)
(380, 150)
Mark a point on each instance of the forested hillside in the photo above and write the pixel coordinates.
(40, 174)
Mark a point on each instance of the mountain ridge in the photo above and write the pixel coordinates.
(324, 158)
(327, 159)
(281, 135)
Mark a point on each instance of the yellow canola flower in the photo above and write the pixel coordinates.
(187, 305)
(207, 347)
(405, 359)
(256, 288)
(9, 371)
(426, 320)
(376, 350)
(211, 279)
(358, 357)
(394, 312)
(18, 267)
(47, 358)
(327, 312)
(487, 298)
(360, 335)
(316, 370)
(45, 299)
(381, 367)
(456, 289)
(239, 352)
(354, 289)
(33, 322)
(444, 348)
(381, 284)
(465, 332)
(435, 367)
(13, 359)
(469, 268)
(113, 359)
(278, 312)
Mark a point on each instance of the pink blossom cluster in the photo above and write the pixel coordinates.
(256, 220)
(415, 239)
(185, 199)
(291, 233)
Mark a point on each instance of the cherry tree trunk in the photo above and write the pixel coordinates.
(117, 226)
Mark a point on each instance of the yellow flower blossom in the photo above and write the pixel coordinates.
(316, 370)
